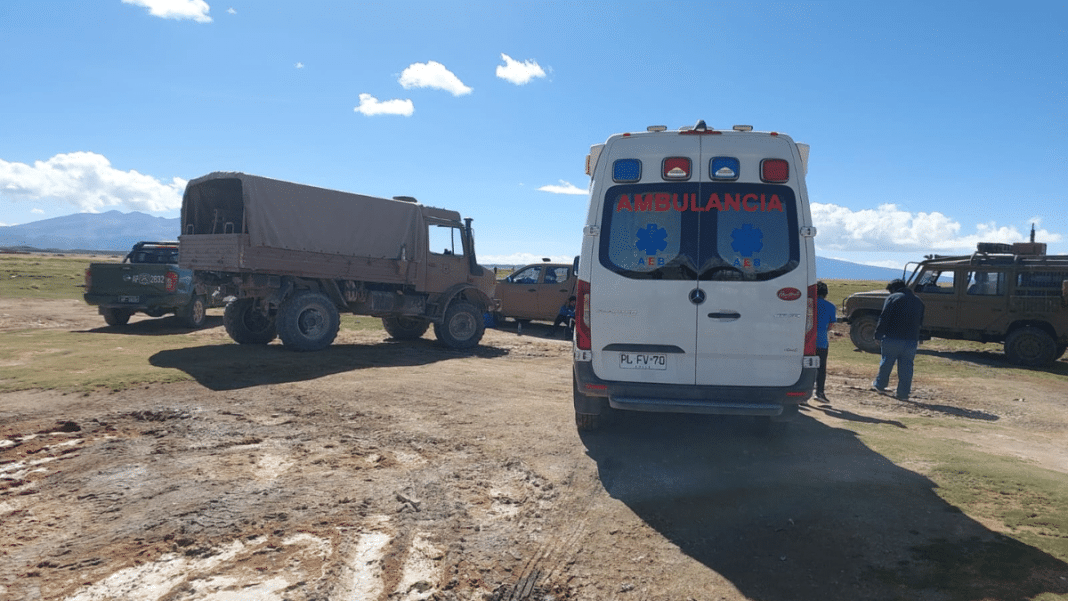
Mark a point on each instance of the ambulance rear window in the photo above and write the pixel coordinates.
(706, 231)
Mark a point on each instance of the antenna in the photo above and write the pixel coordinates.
(1032, 232)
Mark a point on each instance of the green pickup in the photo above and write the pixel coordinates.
(147, 281)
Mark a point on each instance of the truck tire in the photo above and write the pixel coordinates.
(245, 324)
(462, 327)
(116, 317)
(405, 328)
(862, 333)
(1030, 346)
(307, 321)
(195, 313)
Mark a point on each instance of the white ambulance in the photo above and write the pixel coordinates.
(697, 278)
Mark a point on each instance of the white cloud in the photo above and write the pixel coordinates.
(369, 105)
(88, 182)
(196, 10)
(890, 229)
(517, 72)
(231, 11)
(299, 65)
(37, 211)
(432, 75)
(564, 188)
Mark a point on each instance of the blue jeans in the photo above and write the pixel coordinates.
(902, 352)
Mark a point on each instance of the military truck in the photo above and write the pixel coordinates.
(1014, 294)
(294, 256)
(148, 280)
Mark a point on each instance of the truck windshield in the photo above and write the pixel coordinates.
(700, 231)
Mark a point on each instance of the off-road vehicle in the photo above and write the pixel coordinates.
(293, 256)
(1014, 294)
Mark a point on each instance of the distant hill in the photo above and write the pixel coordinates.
(110, 231)
(115, 231)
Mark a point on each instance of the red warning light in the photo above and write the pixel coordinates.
(775, 171)
(676, 168)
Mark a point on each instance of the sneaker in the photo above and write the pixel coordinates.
(879, 390)
(822, 397)
(904, 399)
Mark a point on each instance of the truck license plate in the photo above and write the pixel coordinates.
(129, 299)
(642, 361)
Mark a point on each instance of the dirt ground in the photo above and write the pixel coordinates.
(417, 472)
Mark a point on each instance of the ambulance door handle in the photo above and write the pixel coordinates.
(725, 315)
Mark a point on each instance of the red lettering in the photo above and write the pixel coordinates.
(775, 203)
(675, 202)
(713, 202)
(624, 203)
(643, 203)
(662, 201)
(732, 201)
(745, 202)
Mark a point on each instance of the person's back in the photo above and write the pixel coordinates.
(902, 316)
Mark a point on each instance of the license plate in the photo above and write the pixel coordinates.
(129, 299)
(642, 361)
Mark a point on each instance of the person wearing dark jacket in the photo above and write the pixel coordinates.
(899, 333)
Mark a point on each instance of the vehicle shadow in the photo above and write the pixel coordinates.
(534, 329)
(994, 359)
(234, 366)
(811, 513)
(155, 326)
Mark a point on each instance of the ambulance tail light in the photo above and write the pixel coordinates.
(810, 322)
(583, 339)
(171, 281)
(775, 171)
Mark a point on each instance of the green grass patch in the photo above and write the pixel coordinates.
(84, 361)
(45, 276)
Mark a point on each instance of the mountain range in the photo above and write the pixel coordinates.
(115, 231)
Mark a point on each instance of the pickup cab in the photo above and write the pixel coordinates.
(148, 280)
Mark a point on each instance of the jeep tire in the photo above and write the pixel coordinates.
(1030, 346)
(246, 325)
(307, 321)
(862, 333)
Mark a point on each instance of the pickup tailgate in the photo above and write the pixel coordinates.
(131, 284)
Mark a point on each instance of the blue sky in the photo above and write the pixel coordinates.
(933, 125)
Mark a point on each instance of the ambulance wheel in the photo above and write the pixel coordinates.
(405, 328)
(862, 333)
(307, 321)
(462, 327)
(246, 325)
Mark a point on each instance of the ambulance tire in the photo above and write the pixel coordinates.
(462, 327)
(246, 325)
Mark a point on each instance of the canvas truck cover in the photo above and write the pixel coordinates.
(287, 216)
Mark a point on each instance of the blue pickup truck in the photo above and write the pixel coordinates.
(148, 280)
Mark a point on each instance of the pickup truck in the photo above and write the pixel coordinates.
(148, 280)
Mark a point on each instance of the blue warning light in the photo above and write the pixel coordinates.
(724, 168)
(626, 170)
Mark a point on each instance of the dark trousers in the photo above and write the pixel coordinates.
(821, 375)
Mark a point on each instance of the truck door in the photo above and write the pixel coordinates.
(446, 262)
(985, 302)
(938, 290)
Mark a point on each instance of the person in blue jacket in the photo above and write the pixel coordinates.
(566, 317)
(899, 334)
(825, 316)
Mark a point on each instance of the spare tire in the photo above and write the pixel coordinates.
(245, 324)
